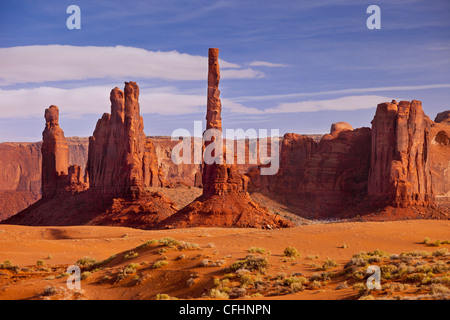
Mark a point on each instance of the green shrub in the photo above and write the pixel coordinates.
(291, 252)
(169, 242)
(86, 262)
(40, 263)
(130, 255)
(163, 296)
(160, 263)
(251, 263)
(7, 264)
(218, 294)
(257, 250)
(147, 244)
(328, 264)
(440, 252)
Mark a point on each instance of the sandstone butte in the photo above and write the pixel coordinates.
(399, 168)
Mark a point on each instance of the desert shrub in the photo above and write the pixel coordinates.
(190, 282)
(289, 281)
(344, 246)
(387, 271)
(85, 275)
(361, 288)
(281, 276)
(328, 264)
(437, 243)
(131, 255)
(342, 285)
(291, 252)
(50, 291)
(159, 264)
(163, 296)
(442, 280)
(415, 277)
(315, 284)
(40, 263)
(440, 252)
(367, 297)
(312, 257)
(439, 288)
(86, 262)
(129, 269)
(188, 246)
(169, 242)
(246, 280)
(362, 259)
(218, 263)
(251, 263)
(426, 240)
(217, 294)
(395, 286)
(415, 254)
(440, 267)
(7, 264)
(257, 250)
(296, 287)
(237, 293)
(147, 244)
(324, 276)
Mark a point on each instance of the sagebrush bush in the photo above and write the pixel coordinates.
(251, 263)
(291, 252)
(159, 264)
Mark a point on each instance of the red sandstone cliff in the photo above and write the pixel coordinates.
(400, 172)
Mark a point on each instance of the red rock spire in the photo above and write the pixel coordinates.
(55, 154)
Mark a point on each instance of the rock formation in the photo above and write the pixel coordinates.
(320, 179)
(225, 202)
(55, 155)
(117, 147)
(439, 150)
(336, 175)
(400, 172)
(443, 116)
(121, 164)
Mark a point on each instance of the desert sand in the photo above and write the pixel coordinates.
(59, 247)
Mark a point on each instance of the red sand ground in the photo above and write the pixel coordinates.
(59, 247)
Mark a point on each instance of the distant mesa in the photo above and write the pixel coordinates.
(340, 126)
(442, 117)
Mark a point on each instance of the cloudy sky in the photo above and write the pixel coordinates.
(297, 66)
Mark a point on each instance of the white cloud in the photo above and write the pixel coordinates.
(266, 64)
(342, 91)
(43, 63)
(95, 100)
(343, 104)
(165, 101)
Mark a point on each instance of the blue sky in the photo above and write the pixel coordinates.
(296, 66)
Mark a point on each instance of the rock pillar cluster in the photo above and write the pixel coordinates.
(117, 149)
